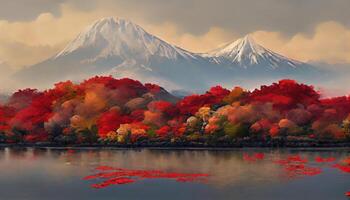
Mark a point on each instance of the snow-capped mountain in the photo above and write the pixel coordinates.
(249, 59)
(245, 52)
(118, 37)
(118, 47)
(248, 56)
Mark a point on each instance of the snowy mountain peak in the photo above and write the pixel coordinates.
(239, 48)
(118, 47)
(114, 36)
(246, 52)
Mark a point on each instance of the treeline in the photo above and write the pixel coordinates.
(104, 110)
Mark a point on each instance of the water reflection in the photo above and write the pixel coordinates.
(248, 174)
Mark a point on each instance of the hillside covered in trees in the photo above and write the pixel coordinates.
(108, 111)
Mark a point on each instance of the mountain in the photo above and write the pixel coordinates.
(6, 80)
(245, 53)
(118, 47)
(248, 57)
(118, 37)
(4, 68)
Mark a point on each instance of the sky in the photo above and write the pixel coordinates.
(306, 30)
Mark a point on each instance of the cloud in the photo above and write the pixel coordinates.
(210, 40)
(198, 16)
(199, 26)
(242, 16)
(39, 39)
(330, 43)
(19, 54)
(7, 85)
(15, 10)
(26, 43)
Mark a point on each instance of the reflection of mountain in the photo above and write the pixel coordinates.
(118, 47)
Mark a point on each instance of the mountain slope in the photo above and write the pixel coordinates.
(246, 53)
(118, 47)
(117, 37)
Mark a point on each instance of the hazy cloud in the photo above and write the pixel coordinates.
(198, 16)
(242, 16)
(33, 30)
(14, 10)
(329, 43)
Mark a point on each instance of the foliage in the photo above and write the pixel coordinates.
(104, 109)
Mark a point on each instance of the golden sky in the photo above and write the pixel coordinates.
(313, 30)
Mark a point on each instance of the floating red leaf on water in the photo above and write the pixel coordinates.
(322, 160)
(118, 176)
(281, 162)
(259, 156)
(347, 194)
(346, 161)
(253, 158)
(312, 171)
(300, 170)
(296, 158)
(113, 181)
(342, 168)
(70, 151)
(295, 166)
(290, 160)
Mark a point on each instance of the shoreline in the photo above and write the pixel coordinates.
(170, 146)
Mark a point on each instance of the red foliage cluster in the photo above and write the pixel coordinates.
(163, 107)
(163, 131)
(125, 110)
(153, 88)
(341, 106)
(286, 94)
(6, 113)
(69, 108)
(23, 98)
(117, 176)
(104, 124)
(190, 104)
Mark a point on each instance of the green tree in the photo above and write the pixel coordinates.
(88, 135)
(235, 130)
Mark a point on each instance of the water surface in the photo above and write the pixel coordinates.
(38, 174)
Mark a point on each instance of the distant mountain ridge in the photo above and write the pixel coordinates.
(113, 36)
(118, 47)
(246, 52)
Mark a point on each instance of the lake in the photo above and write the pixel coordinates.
(242, 174)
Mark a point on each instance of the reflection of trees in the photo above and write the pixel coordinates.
(227, 168)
